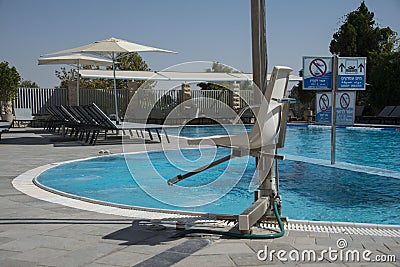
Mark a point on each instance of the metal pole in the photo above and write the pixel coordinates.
(256, 51)
(77, 85)
(260, 61)
(333, 119)
(255, 29)
(115, 89)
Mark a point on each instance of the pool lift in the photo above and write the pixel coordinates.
(262, 143)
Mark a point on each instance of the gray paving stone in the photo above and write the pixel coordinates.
(95, 264)
(327, 242)
(321, 264)
(82, 256)
(319, 234)
(121, 258)
(7, 254)
(20, 245)
(206, 261)
(4, 240)
(247, 260)
(18, 233)
(6, 262)
(168, 258)
(361, 238)
(304, 240)
(147, 249)
(293, 233)
(225, 248)
(176, 253)
(386, 240)
(37, 254)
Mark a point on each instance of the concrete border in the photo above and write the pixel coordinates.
(25, 183)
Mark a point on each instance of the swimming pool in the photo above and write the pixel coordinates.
(311, 189)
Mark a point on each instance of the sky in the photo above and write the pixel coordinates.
(206, 30)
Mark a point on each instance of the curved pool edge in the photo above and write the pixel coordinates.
(25, 184)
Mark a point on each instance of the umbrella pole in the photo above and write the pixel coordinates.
(77, 86)
(115, 89)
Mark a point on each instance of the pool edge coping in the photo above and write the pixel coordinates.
(25, 184)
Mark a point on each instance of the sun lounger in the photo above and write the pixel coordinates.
(358, 113)
(108, 125)
(68, 123)
(4, 127)
(381, 117)
(60, 120)
(394, 116)
(22, 115)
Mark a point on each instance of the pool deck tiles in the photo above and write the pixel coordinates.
(34, 232)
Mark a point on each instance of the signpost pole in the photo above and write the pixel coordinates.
(333, 120)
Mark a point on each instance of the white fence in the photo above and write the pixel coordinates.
(160, 102)
(38, 99)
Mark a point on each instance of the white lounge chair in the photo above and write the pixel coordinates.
(22, 115)
(4, 127)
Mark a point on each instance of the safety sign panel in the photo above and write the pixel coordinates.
(317, 73)
(345, 108)
(351, 73)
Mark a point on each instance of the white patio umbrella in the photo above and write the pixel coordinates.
(112, 47)
(75, 59)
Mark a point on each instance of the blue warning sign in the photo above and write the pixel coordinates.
(351, 73)
(317, 73)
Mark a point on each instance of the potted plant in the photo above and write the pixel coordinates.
(9, 80)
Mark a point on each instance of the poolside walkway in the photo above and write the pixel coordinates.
(34, 232)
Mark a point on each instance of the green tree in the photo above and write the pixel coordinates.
(131, 61)
(304, 98)
(221, 68)
(64, 75)
(9, 80)
(359, 36)
(28, 84)
(218, 67)
(386, 78)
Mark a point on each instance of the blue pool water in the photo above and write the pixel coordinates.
(363, 187)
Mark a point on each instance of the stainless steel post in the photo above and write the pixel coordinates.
(115, 89)
(333, 119)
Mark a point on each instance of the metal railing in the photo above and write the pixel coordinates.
(104, 99)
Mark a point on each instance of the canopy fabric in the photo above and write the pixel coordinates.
(111, 45)
(174, 76)
(76, 59)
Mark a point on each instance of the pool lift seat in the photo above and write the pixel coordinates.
(262, 143)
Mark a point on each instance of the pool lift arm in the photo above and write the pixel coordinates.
(267, 198)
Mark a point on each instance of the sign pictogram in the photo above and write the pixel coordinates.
(345, 100)
(317, 73)
(318, 67)
(345, 108)
(323, 102)
(351, 73)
